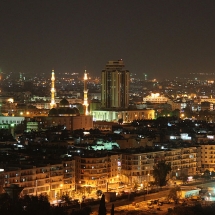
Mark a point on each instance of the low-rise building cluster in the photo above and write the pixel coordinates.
(57, 169)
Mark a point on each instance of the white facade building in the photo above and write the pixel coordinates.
(126, 115)
(155, 98)
(15, 120)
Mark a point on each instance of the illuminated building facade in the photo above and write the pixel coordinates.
(126, 115)
(138, 166)
(115, 85)
(100, 171)
(48, 179)
(208, 157)
(70, 122)
(177, 105)
(155, 98)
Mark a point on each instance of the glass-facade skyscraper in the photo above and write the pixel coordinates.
(115, 85)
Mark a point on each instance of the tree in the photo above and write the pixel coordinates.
(135, 186)
(36, 204)
(20, 128)
(28, 205)
(112, 210)
(131, 196)
(59, 210)
(192, 210)
(207, 174)
(176, 113)
(195, 177)
(160, 172)
(188, 112)
(184, 177)
(83, 190)
(174, 194)
(8, 206)
(98, 193)
(67, 199)
(102, 206)
(58, 196)
(152, 184)
(120, 121)
(88, 190)
(212, 174)
(82, 211)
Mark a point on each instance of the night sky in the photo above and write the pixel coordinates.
(161, 38)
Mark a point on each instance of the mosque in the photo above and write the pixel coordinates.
(64, 114)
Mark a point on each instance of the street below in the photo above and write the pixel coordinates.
(139, 204)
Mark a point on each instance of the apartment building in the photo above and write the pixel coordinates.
(70, 122)
(137, 166)
(97, 170)
(208, 157)
(51, 179)
(183, 161)
(69, 172)
(102, 170)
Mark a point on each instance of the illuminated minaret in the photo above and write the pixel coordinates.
(53, 104)
(85, 94)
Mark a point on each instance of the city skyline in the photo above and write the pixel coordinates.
(160, 38)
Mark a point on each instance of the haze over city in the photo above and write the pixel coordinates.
(163, 39)
(107, 107)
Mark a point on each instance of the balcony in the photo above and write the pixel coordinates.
(101, 175)
(38, 171)
(68, 176)
(26, 173)
(59, 172)
(24, 180)
(56, 175)
(13, 176)
(94, 173)
(94, 162)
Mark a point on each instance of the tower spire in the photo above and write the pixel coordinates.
(85, 94)
(53, 104)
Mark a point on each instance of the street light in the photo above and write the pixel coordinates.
(80, 199)
(36, 186)
(145, 189)
(61, 189)
(141, 186)
(148, 183)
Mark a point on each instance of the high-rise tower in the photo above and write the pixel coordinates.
(115, 85)
(53, 104)
(86, 104)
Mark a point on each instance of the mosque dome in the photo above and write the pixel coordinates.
(64, 103)
(76, 111)
(53, 112)
(64, 111)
